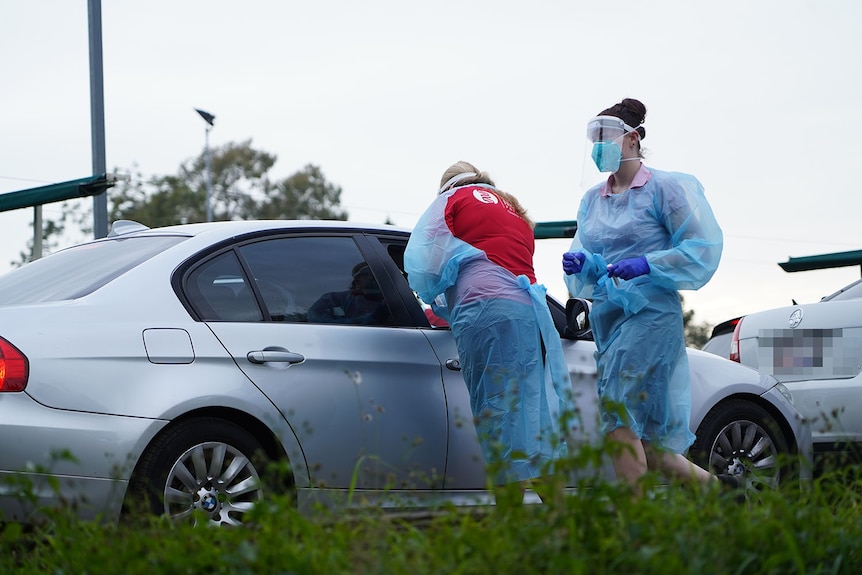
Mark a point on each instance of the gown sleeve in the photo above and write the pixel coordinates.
(696, 237)
(582, 284)
(434, 255)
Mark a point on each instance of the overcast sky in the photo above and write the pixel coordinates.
(761, 100)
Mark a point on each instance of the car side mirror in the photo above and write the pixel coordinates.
(578, 319)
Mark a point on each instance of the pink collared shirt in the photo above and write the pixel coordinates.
(640, 179)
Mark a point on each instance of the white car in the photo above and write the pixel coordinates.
(815, 351)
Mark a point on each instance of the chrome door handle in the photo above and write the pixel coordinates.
(273, 356)
(453, 364)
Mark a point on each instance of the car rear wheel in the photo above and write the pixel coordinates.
(204, 470)
(742, 439)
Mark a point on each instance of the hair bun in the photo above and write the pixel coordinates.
(636, 108)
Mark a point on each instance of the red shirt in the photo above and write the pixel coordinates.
(478, 216)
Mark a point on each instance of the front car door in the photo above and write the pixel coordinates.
(465, 463)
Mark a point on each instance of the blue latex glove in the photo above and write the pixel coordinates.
(573, 262)
(629, 268)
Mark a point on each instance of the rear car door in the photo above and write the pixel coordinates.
(312, 321)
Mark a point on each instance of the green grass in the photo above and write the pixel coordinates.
(815, 528)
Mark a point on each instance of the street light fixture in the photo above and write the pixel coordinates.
(208, 118)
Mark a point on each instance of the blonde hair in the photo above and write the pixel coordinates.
(473, 175)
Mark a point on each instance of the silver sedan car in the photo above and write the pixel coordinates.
(192, 370)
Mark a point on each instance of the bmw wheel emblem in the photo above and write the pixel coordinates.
(208, 503)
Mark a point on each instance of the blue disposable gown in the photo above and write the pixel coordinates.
(643, 375)
(496, 319)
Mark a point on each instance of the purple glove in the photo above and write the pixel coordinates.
(573, 262)
(629, 268)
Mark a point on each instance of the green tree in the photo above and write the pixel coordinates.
(306, 195)
(52, 230)
(696, 334)
(241, 189)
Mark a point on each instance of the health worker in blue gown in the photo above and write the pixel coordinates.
(642, 235)
(471, 257)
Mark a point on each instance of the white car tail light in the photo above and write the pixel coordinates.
(734, 342)
(14, 367)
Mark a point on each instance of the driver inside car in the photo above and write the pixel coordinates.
(361, 304)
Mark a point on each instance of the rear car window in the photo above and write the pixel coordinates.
(80, 270)
(852, 291)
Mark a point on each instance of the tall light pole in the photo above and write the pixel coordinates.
(208, 118)
(97, 115)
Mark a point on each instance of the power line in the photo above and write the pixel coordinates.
(788, 240)
(25, 180)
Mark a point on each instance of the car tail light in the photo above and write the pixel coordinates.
(14, 367)
(734, 342)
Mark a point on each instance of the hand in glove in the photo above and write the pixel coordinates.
(573, 262)
(629, 268)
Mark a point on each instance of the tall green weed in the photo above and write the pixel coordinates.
(808, 528)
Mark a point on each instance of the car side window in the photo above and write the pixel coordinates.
(316, 279)
(218, 291)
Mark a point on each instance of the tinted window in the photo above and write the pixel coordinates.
(316, 279)
(299, 279)
(218, 290)
(853, 291)
(719, 345)
(80, 270)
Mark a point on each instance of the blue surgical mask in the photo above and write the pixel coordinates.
(607, 156)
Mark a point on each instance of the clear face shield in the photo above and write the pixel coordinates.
(603, 152)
